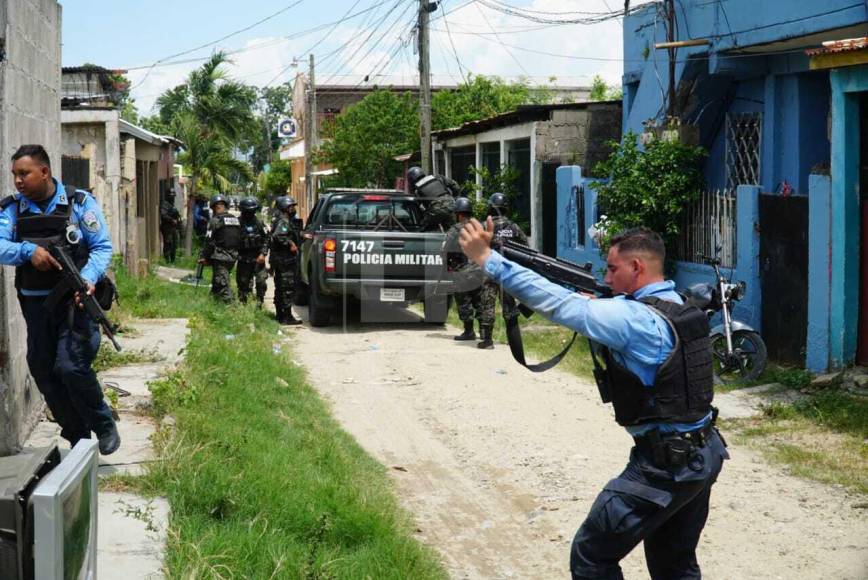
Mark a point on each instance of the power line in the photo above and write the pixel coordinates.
(461, 67)
(221, 39)
(497, 36)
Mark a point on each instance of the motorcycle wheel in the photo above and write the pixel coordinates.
(748, 359)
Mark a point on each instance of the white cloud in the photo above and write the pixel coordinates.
(262, 59)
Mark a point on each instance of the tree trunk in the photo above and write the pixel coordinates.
(188, 231)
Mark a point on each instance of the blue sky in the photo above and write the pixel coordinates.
(471, 38)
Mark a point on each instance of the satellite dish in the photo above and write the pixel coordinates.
(287, 128)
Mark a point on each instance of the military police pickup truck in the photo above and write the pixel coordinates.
(366, 245)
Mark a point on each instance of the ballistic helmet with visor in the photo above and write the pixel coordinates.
(285, 203)
(249, 205)
(218, 198)
(463, 205)
(414, 174)
(498, 202)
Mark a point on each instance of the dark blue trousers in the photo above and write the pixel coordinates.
(665, 508)
(61, 346)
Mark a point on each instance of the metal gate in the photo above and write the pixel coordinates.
(784, 275)
(549, 222)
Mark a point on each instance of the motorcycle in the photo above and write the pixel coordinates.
(738, 350)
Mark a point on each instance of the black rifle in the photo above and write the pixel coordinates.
(200, 272)
(561, 272)
(72, 283)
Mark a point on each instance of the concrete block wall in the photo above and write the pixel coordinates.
(29, 113)
(579, 137)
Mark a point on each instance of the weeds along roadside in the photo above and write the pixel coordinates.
(823, 435)
(262, 482)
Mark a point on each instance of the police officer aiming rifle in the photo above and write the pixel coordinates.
(652, 361)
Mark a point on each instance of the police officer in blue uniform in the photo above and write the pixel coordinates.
(658, 376)
(61, 343)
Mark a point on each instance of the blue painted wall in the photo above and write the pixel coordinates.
(819, 272)
(794, 101)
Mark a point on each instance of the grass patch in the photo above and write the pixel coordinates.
(107, 357)
(542, 340)
(263, 483)
(806, 448)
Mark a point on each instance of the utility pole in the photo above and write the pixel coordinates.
(310, 137)
(424, 86)
(670, 37)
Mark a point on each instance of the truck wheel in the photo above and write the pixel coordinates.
(436, 309)
(319, 311)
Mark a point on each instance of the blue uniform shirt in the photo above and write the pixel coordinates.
(637, 336)
(87, 217)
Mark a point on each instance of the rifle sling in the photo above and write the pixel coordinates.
(60, 293)
(513, 337)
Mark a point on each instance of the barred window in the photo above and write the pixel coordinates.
(743, 145)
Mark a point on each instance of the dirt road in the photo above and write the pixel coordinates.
(499, 465)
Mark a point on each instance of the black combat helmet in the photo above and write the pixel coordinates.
(218, 198)
(414, 174)
(249, 205)
(284, 202)
(463, 205)
(497, 203)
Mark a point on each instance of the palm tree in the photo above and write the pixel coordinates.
(212, 115)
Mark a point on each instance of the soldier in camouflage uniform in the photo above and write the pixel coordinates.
(466, 275)
(221, 247)
(170, 221)
(504, 230)
(251, 256)
(285, 244)
(438, 194)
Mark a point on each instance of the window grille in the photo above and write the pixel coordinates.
(743, 144)
(708, 222)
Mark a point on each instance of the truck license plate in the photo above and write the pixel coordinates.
(391, 294)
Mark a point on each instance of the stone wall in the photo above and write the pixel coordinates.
(579, 136)
(29, 113)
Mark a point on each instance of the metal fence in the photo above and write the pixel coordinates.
(708, 222)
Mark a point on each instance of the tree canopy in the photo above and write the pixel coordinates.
(481, 97)
(367, 137)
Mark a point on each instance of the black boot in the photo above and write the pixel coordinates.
(468, 333)
(486, 343)
(290, 319)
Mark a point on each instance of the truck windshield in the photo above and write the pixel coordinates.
(374, 212)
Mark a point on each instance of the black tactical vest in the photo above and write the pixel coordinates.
(684, 386)
(252, 236)
(430, 187)
(47, 230)
(227, 236)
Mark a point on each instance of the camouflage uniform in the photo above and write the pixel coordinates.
(467, 277)
(221, 252)
(504, 230)
(284, 262)
(439, 212)
(254, 243)
(170, 220)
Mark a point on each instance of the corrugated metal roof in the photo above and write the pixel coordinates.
(834, 46)
(522, 114)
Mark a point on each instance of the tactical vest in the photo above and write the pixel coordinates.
(430, 187)
(284, 232)
(227, 236)
(684, 386)
(46, 231)
(252, 236)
